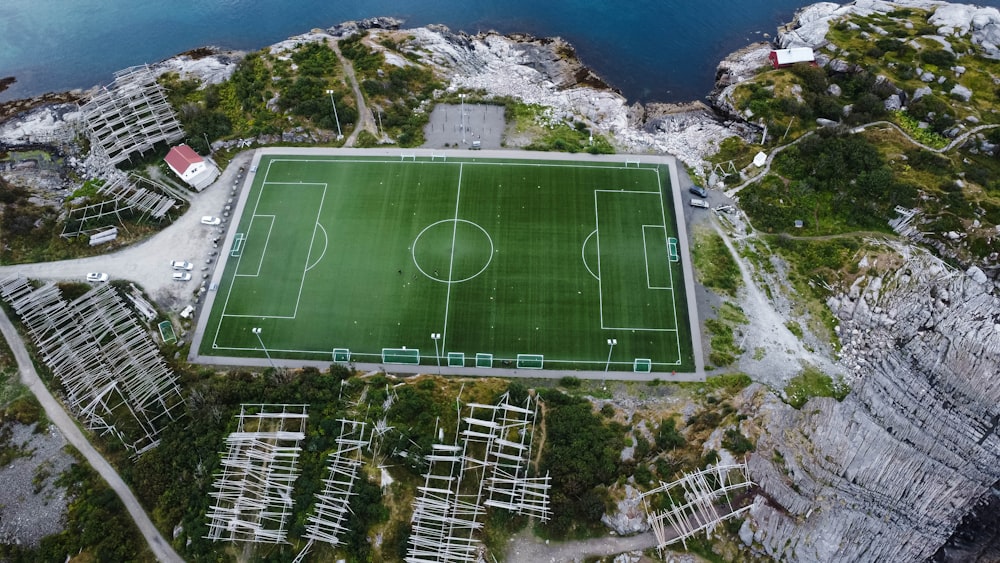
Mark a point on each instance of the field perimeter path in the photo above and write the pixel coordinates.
(29, 377)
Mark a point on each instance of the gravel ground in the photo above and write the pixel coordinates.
(148, 263)
(27, 516)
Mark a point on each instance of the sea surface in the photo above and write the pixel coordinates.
(652, 50)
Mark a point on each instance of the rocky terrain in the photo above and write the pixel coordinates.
(889, 473)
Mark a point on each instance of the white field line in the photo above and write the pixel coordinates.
(263, 253)
(232, 283)
(451, 264)
(600, 286)
(645, 254)
(302, 282)
(670, 269)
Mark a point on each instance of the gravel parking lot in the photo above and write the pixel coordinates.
(148, 263)
(483, 123)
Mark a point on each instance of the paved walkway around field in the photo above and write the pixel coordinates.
(67, 425)
(682, 239)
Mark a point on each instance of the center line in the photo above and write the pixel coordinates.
(451, 264)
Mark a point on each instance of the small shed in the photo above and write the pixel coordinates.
(196, 171)
(781, 58)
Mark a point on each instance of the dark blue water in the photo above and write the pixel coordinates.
(652, 50)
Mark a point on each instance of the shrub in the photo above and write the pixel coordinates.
(734, 441)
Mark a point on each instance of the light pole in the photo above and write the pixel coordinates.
(340, 134)
(611, 344)
(461, 116)
(256, 331)
(435, 336)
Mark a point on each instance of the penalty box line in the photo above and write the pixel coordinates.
(600, 276)
(645, 255)
(306, 267)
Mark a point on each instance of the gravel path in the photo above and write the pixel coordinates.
(526, 548)
(67, 425)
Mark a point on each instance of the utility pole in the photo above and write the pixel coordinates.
(340, 134)
(256, 331)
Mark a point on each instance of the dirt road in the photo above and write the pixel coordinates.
(29, 377)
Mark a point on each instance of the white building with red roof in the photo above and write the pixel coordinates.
(197, 171)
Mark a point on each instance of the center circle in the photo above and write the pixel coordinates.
(452, 250)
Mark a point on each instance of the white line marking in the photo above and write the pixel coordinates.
(451, 265)
(326, 245)
(645, 253)
(302, 282)
(600, 286)
(583, 255)
(663, 213)
(263, 253)
(232, 282)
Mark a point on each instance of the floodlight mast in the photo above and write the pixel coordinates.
(611, 344)
(340, 134)
(435, 336)
(256, 330)
(461, 117)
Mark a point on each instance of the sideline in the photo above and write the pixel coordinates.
(161, 549)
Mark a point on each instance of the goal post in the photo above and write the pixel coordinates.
(341, 355)
(634, 161)
(642, 365)
(408, 356)
(530, 361)
(456, 359)
(484, 360)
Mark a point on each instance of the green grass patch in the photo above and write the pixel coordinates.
(724, 347)
(715, 265)
(501, 257)
(813, 383)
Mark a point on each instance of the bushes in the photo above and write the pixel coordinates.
(839, 180)
(581, 454)
(734, 441)
(717, 269)
(813, 383)
(938, 57)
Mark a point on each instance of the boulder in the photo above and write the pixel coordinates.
(927, 76)
(839, 65)
(961, 92)
(628, 517)
(921, 92)
(834, 90)
(977, 275)
(893, 103)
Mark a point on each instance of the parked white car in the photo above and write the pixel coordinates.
(182, 276)
(181, 265)
(699, 203)
(210, 220)
(97, 277)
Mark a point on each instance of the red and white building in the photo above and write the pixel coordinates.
(197, 171)
(781, 58)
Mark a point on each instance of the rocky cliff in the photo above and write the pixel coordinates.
(889, 473)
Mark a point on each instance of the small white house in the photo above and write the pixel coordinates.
(781, 58)
(197, 171)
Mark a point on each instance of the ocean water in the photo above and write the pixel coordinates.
(652, 50)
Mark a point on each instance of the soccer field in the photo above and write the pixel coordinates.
(470, 262)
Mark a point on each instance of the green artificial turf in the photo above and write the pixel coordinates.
(498, 257)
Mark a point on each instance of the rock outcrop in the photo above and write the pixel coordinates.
(889, 473)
